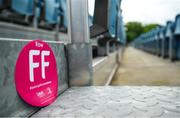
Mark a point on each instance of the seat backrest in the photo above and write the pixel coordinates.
(169, 30)
(162, 33)
(121, 33)
(157, 33)
(113, 10)
(51, 11)
(25, 7)
(1, 3)
(177, 25)
(63, 10)
(108, 11)
(100, 12)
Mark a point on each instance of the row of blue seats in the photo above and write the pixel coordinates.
(55, 10)
(163, 41)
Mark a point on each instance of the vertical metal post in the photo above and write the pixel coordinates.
(80, 50)
(36, 13)
(35, 22)
(107, 48)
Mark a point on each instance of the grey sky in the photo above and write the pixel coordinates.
(150, 11)
(147, 11)
(91, 6)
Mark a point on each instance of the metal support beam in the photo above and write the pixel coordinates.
(78, 21)
(80, 50)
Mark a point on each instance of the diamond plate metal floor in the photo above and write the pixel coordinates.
(109, 101)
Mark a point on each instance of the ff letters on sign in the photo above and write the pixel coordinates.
(36, 75)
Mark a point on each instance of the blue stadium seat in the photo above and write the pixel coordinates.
(25, 7)
(1, 2)
(157, 40)
(51, 11)
(63, 8)
(177, 25)
(169, 31)
(162, 38)
(112, 17)
(169, 40)
(39, 5)
(121, 30)
(166, 40)
(154, 47)
(177, 36)
(100, 12)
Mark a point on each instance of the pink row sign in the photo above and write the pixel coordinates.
(36, 75)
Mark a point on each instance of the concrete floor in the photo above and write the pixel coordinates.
(141, 68)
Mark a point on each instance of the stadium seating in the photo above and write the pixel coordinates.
(25, 7)
(63, 13)
(112, 16)
(51, 11)
(163, 41)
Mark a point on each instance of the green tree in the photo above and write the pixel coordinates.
(135, 29)
(149, 27)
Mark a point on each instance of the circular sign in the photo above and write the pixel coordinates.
(36, 75)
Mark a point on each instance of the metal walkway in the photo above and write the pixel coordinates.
(141, 68)
(137, 68)
(129, 102)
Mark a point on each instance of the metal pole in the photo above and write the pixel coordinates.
(80, 50)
